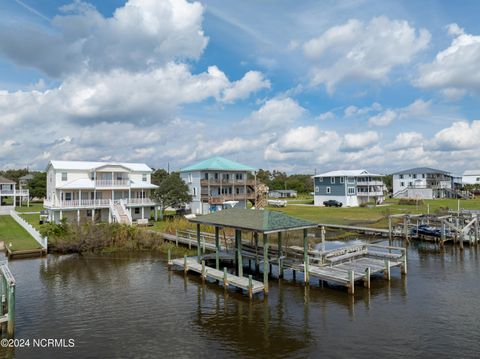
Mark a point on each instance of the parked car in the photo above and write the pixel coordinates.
(332, 203)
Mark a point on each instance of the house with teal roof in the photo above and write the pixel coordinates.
(218, 183)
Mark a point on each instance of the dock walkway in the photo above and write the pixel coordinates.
(228, 279)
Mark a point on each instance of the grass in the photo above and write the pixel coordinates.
(33, 219)
(12, 232)
(34, 207)
(376, 217)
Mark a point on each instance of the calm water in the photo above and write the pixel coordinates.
(132, 306)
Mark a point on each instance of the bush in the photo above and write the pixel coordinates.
(411, 202)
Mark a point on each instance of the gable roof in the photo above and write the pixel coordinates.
(27, 177)
(348, 173)
(4, 180)
(418, 170)
(217, 163)
(87, 165)
(472, 173)
(263, 221)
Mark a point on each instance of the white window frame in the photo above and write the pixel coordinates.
(190, 178)
(144, 177)
(194, 190)
(342, 179)
(320, 179)
(328, 190)
(351, 191)
(402, 184)
(351, 180)
(332, 180)
(64, 176)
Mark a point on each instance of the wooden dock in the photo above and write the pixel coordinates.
(366, 230)
(228, 279)
(7, 299)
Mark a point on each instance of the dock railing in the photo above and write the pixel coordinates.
(7, 295)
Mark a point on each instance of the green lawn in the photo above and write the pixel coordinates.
(12, 233)
(373, 217)
(34, 207)
(33, 219)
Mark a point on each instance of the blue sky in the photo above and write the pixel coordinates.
(296, 86)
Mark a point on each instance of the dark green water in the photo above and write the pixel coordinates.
(133, 307)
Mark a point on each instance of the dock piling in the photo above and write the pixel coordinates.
(185, 266)
(366, 280)
(387, 270)
(305, 257)
(265, 262)
(225, 277)
(351, 282)
(250, 286)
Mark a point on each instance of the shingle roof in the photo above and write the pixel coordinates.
(217, 163)
(348, 173)
(87, 165)
(419, 170)
(6, 180)
(257, 220)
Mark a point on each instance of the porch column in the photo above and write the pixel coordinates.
(14, 197)
(280, 254)
(305, 256)
(61, 215)
(93, 215)
(143, 212)
(109, 215)
(199, 247)
(238, 240)
(78, 216)
(265, 262)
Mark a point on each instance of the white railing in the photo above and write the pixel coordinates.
(18, 192)
(112, 183)
(133, 201)
(87, 203)
(371, 193)
(30, 229)
(123, 203)
(370, 183)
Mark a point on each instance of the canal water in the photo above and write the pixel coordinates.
(131, 306)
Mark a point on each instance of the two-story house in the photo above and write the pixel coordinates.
(422, 182)
(8, 189)
(217, 183)
(99, 191)
(349, 187)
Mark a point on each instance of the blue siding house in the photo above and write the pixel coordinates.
(350, 187)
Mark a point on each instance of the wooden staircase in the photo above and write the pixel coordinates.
(121, 214)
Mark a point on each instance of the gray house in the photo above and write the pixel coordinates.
(350, 187)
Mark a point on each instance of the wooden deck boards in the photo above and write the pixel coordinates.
(212, 273)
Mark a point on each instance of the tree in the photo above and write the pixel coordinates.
(14, 175)
(38, 185)
(171, 192)
(158, 176)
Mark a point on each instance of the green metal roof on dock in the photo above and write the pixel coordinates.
(217, 163)
(256, 220)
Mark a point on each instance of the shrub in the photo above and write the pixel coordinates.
(411, 202)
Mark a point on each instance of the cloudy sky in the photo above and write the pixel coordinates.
(296, 86)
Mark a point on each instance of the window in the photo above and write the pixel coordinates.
(351, 179)
(423, 175)
(332, 179)
(478, 179)
(328, 190)
(320, 179)
(414, 176)
(401, 176)
(239, 176)
(410, 183)
(92, 176)
(89, 212)
(216, 176)
(64, 176)
(190, 178)
(351, 190)
(206, 175)
(194, 191)
(144, 177)
(137, 210)
(402, 184)
(342, 179)
(68, 196)
(317, 189)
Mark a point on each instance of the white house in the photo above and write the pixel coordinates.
(99, 191)
(8, 189)
(422, 182)
(349, 187)
(471, 177)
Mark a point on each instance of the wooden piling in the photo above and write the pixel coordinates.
(366, 280)
(387, 270)
(225, 277)
(238, 241)
(305, 257)
(250, 286)
(199, 248)
(351, 282)
(185, 265)
(11, 310)
(477, 234)
(280, 253)
(265, 262)
(217, 248)
(169, 258)
(255, 237)
(389, 228)
(204, 275)
(404, 264)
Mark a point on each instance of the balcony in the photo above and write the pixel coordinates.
(10, 192)
(83, 203)
(140, 201)
(100, 183)
(227, 182)
(370, 194)
(370, 183)
(228, 197)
